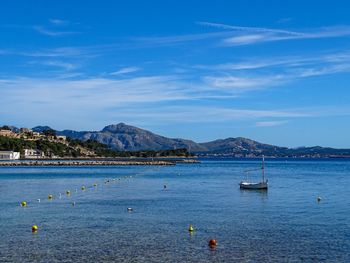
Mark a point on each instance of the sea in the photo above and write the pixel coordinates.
(142, 213)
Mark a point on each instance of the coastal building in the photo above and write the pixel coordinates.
(33, 154)
(9, 155)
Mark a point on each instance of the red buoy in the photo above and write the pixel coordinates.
(212, 243)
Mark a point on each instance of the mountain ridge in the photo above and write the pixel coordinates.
(123, 137)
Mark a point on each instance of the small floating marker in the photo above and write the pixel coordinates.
(319, 199)
(95, 185)
(190, 228)
(165, 186)
(76, 190)
(212, 243)
(35, 228)
(67, 192)
(73, 204)
(60, 196)
(50, 197)
(130, 209)
(23, 204)
(83, 188)
(38, 200)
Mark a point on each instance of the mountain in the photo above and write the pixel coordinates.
(41, 129)
(124, 137)
(241, 146)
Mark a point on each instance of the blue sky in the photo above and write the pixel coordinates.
(202, 70)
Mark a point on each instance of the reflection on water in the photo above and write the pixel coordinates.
(254, 193)
(283, 224)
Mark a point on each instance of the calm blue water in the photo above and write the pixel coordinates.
(285, 224)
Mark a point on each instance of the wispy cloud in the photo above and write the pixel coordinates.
(243, 76)
(236, 83)
(56, 63)
(56, 52)
(251, 35)
(194, 114)
(270, 123)
(59, 22)
(53, 33)
(288, 61)
(178, 39)
(125, 71)
(251, 29)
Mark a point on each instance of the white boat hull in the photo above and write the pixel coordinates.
(249, 185)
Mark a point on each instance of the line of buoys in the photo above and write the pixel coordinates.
(68, 193)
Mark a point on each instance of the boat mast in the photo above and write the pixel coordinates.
(263, 168)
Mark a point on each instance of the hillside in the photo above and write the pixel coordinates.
(50, 147)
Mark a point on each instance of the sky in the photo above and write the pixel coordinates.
(274, 72)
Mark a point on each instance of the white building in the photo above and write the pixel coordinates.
(9, 155)
(33, 154)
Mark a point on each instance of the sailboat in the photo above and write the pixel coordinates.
(245, 184)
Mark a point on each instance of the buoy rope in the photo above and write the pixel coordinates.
(78, 191)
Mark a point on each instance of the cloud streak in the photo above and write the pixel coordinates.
(126, 70)
(253, 35)
(59, 22)
(270, 123)
(53, 33)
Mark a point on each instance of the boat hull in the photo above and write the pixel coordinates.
(256, 186)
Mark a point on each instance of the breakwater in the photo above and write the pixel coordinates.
(84, 163)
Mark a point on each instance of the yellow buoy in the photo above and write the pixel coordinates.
(190, 228)
(68, 192)
(23, 204)
(50, 197)
(34, 228)
(83, 188)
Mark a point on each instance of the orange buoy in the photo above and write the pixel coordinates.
(212, 243)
